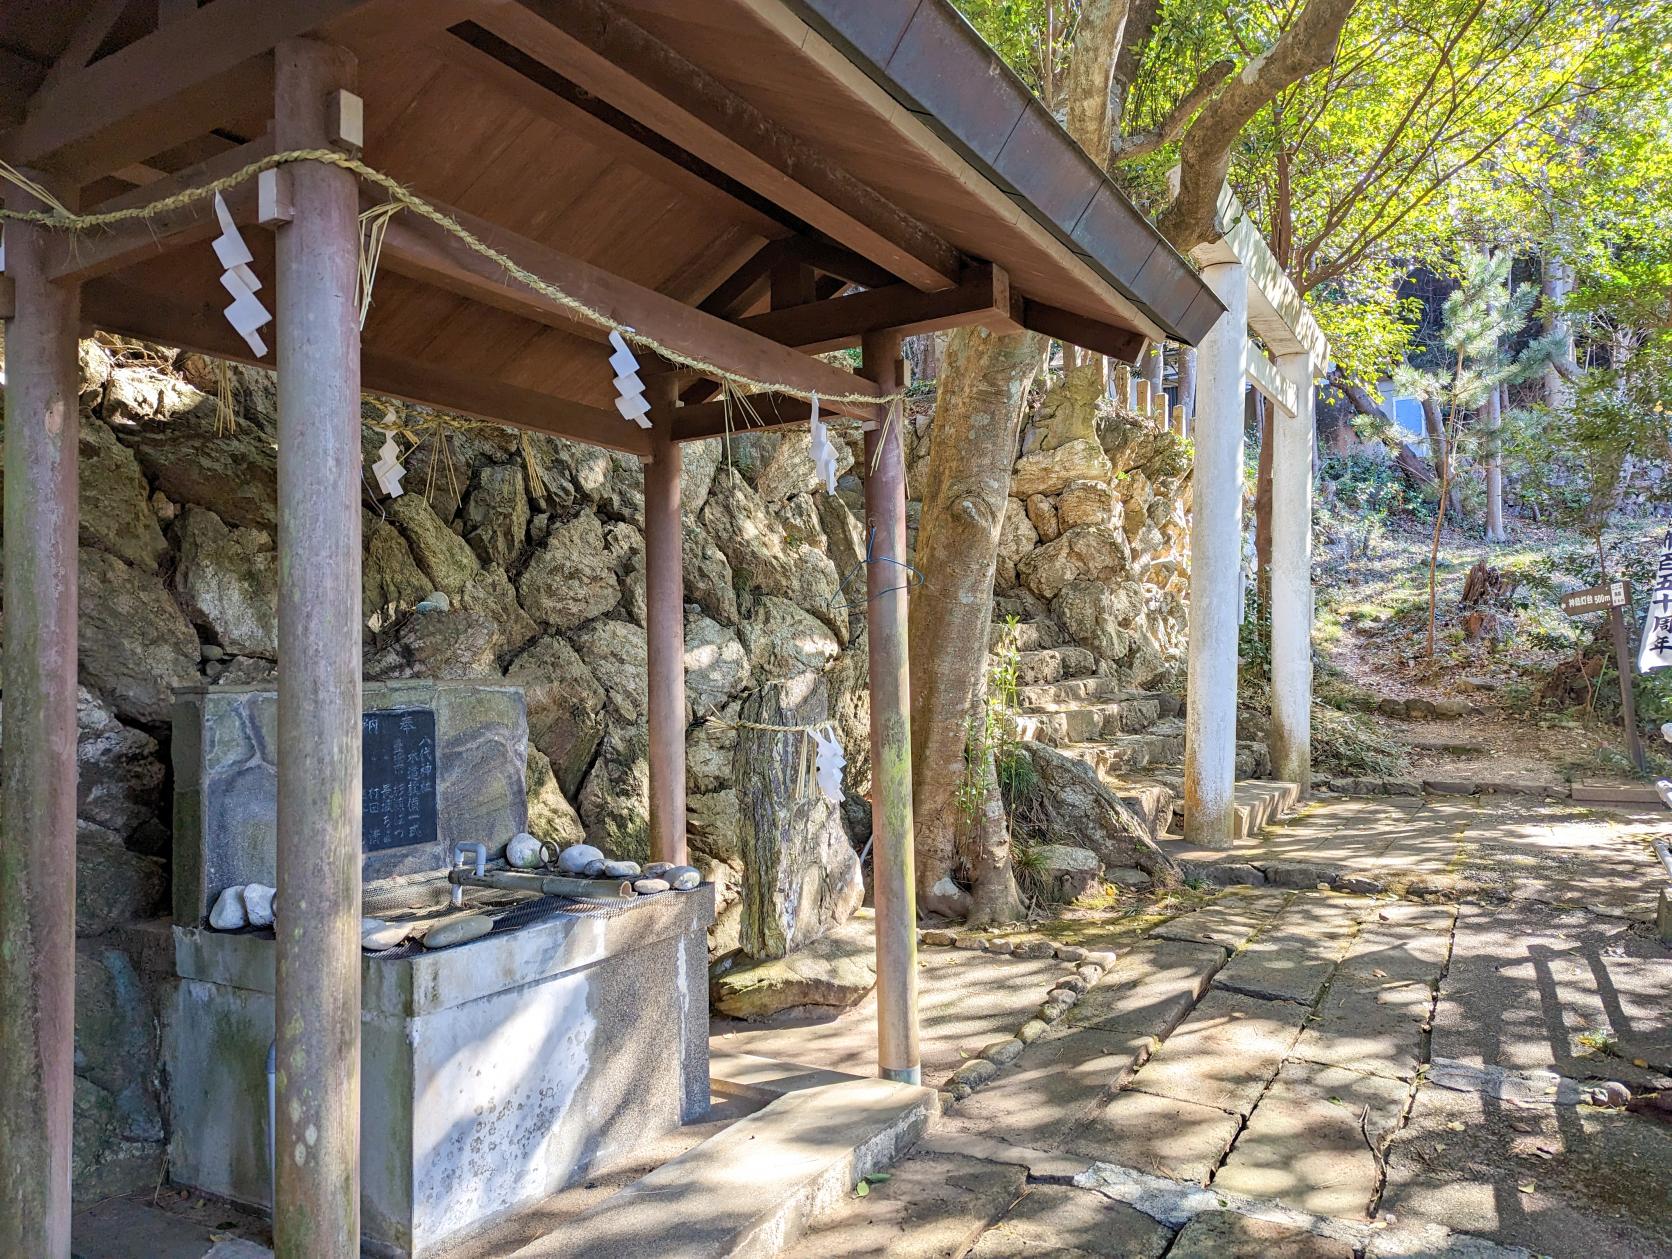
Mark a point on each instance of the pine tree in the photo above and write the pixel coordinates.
(1476, 321)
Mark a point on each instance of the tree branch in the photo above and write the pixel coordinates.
(1140, 143)
(1205, 156)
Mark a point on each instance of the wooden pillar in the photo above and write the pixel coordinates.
(893, 864)
(664, 581)
(317, 1212)
(38, 799)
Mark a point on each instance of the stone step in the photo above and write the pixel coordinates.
(1052, 664)
(1058, 724)
(751, 1190)
(1257, 804)
(1151, 801)
(1126, 753)
(1081, 690)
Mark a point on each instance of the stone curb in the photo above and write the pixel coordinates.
(1088, 966)
(1416, 787)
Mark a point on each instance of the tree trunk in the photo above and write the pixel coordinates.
(978, 417)
(1494, 466)
(1439, 454)
(1187, 383)
(1556, 286)
(923, 353)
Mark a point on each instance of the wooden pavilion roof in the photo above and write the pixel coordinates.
(750, 181)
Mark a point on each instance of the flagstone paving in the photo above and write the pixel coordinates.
(1331, 1074)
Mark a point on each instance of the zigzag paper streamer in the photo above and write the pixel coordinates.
(824, 454)
(387, 469)
(246, 314)
(629, 389)
(827, 765)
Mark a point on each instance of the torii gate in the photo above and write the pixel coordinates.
(1261, 300)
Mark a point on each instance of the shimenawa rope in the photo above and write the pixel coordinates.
(60, 217)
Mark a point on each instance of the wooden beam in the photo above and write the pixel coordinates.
(764, 411)
(19, 78)
(96, 252)
(983, 297)
(542, 91)
(745, 286)
(834, 260)
(184, 79)
(1122, 344)
(597, 47)
(91, 31)
(117, 306)
(417, 248)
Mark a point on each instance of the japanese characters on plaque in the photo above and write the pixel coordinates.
(397, 778)
(1656, 651)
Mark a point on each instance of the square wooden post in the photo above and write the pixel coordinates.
(38, 799)
(664, 591)
(893, 862)
(317, 1212)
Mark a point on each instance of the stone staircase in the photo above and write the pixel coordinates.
(1133, 739)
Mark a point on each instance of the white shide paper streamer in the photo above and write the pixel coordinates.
(629, 389)
(824, 454)
(827, 763)
(246, 314)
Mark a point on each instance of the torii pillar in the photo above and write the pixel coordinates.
(1291, 578)
(1210, 722)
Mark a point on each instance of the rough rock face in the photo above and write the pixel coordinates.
(228, 583)
(134, 642)
(1068, 805)
(1094, 542)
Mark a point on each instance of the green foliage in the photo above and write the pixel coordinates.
(1349, 744)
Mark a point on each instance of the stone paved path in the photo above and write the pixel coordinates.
(1285, 1070)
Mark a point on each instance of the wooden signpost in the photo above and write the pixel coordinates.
(1614, 598)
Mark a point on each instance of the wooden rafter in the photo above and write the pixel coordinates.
(982, 297)
(541, 90)
(183, 79)
(417, 248)
(597, 47)
(1089, 334)
(93, 29)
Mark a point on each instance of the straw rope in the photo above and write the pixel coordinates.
(60, 217)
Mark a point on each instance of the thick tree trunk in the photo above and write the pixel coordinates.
(923, 353)
(978, 416)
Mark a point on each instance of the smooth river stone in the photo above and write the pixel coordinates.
(621, 870)
(229, 913)
(258, 904)
(523, 852)
(377, 935)
(576, 857)
(646, 887)
(683, 878)
(458, 931)
(658, 869)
